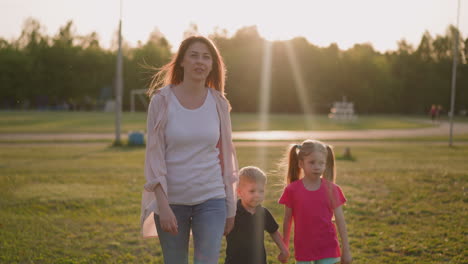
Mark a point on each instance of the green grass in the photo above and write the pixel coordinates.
(68, 122)
(322, 122)
(100, 122)
(80, 203)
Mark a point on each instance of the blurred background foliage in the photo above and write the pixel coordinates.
(38, 71)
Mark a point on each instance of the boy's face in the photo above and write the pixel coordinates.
(251, 193)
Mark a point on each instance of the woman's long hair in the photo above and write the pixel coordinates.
(173, 72)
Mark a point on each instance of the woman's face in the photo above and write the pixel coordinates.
(197, 62)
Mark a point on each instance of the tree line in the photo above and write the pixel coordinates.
(69, 71)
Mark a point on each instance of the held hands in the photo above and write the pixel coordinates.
(229, 225)
(283, 256)
(168, 220)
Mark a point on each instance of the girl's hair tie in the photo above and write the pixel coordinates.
(298, 146)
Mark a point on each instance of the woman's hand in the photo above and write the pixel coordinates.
(168, 220)
(229, 225)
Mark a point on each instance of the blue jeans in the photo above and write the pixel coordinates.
(206, 220)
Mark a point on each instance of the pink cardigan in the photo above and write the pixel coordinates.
(155, 166)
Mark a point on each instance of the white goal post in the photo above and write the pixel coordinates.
(141, 96)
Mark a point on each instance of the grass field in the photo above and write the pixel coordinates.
(80, 203)
(99, 122)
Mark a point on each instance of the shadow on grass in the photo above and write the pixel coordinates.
(346, 158)
(125, 146)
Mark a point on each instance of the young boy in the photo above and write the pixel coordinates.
(245, 243)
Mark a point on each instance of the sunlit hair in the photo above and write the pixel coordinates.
(298, 152)
(252, 174)
(173, 72)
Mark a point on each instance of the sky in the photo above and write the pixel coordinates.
(345, 22)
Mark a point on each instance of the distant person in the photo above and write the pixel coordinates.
(190, 164)
(463, 112)
(245, 244)
(312, 199)
(433, 113)
(438, 112)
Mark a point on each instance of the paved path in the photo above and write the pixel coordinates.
(441, 130)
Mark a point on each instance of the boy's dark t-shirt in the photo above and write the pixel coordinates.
(245, 243)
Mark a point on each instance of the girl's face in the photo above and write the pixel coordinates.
(197, 62)
(313, 165)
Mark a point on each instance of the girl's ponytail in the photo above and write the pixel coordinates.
(330, 173)
(293, 165)
(330, 176)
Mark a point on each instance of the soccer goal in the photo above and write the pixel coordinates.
(141, 94)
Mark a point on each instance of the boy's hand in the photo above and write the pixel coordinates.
(283, 256)
(286, 243)
(229, 225)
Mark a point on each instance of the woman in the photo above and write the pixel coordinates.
(190, 165)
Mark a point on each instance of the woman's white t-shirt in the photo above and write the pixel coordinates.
(192, 158)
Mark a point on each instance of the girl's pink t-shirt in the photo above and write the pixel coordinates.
(314, 232)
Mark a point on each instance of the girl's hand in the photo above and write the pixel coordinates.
(346, 257)
(229, 225)
(168, 220)
(283, 256)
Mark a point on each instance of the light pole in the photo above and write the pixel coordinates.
(454, 77)
(118, 84)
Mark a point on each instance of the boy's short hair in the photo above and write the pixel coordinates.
(252, 174)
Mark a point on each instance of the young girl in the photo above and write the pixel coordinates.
(312, 199)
